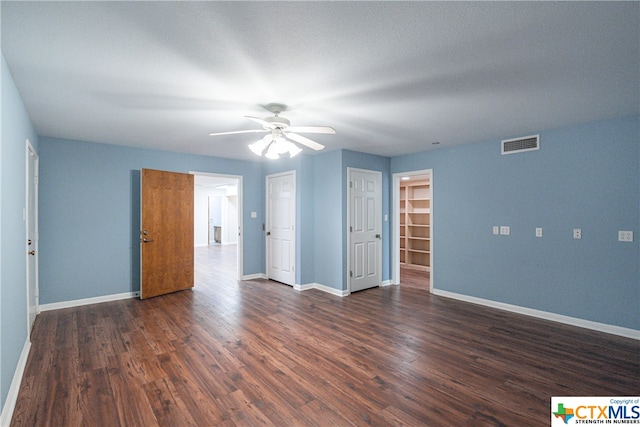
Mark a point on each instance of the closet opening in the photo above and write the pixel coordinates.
(413, 225)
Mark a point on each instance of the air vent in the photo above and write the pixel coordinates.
(518, 145)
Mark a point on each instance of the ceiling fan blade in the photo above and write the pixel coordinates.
(237, 131)
(304, 141)
(312, 129)
(260, 121)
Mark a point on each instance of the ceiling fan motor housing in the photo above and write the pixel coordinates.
(278, 122)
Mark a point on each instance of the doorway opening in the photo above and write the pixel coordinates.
(218, 219)
(413, 229)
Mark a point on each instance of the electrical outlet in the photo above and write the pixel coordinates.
(505, 230)
(539, 232)
(496, 230)
(625, 236)
(577, 233)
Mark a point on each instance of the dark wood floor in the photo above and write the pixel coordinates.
(412, 278)
(261, 353)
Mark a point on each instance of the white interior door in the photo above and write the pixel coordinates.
(365, 229)
(280, 227)
(32, 235)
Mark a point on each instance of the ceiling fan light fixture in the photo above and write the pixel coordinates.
(272, 152)
(281, 145)
(294, 150)
(259, 146)
(281, 138)
(272, 147)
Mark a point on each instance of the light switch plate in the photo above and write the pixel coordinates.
(625, 236)
(539, 232)
(505, 230)
(496, 230)
(577, 233)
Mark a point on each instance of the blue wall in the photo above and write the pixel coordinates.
(16, 128)
(585, 176)
(89, 222)
(329, 218)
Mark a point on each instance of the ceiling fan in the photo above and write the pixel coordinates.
(281, 136)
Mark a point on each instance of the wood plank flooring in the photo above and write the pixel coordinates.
(233, 353)
(410, 277)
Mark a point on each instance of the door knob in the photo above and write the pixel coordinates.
(268, 233)
(377, 236)
(145, 240)
(32, 253)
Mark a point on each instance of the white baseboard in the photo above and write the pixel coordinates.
(588, 324)
(87, 301)
(323, 288)
(254, 276)
(329, 289)
(12, 395)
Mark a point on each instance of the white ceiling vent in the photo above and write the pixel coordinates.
(518, 145)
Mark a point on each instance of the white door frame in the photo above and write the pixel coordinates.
(240, 252)
(395, 227)
(294, 219)
(31, 176)
(349, 249)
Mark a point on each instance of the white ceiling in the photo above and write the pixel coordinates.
(390, 77)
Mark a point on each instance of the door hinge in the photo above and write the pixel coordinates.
(350, 184)
(351, 228)
(350, 273)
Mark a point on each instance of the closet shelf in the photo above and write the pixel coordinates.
(415, 224)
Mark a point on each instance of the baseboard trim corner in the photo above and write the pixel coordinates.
(254, 276)
(323, 288)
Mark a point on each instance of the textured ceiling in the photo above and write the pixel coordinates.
(390, 77)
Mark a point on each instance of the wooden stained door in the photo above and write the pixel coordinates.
(166, 239)
(365, 229)
(281, 236)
